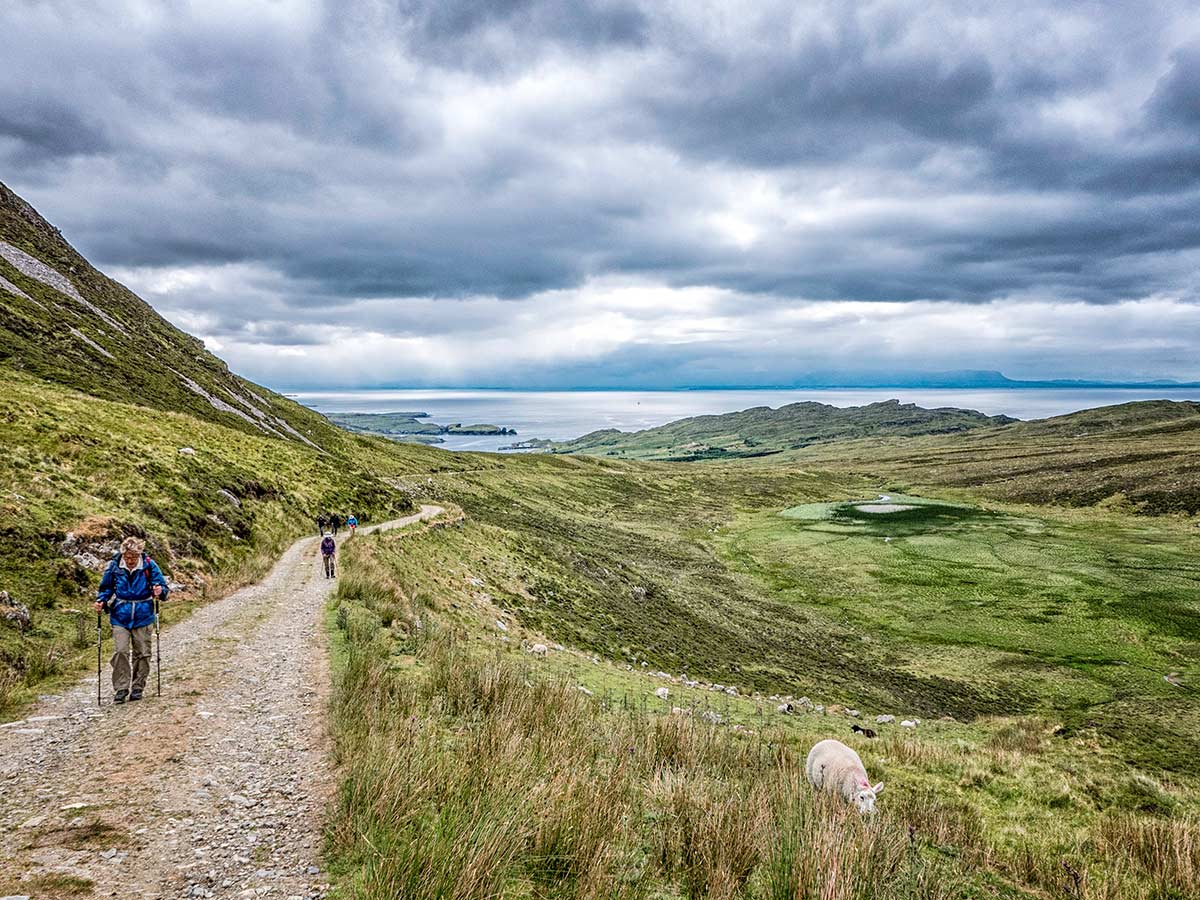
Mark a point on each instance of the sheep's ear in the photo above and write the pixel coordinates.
(878, 789)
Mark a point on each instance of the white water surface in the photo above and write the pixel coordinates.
(561, 415)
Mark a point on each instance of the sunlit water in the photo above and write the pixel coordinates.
(561, 415)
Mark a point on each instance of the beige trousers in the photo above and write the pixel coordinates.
(142, 644)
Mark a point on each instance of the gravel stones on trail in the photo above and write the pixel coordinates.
(217, 788)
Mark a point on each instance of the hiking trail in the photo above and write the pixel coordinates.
(217, 788)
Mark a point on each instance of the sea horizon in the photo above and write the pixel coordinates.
(558, 415)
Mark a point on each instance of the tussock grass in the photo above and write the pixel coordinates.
(468, 779)
(470, 769)
(1167, 852)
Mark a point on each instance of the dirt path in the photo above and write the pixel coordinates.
(216, 789)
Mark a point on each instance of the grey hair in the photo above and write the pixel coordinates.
(132, 545)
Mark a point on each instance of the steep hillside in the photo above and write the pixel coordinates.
(66, 322)
(762, 431)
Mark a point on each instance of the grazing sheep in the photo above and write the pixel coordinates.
(865, 732)
(662, 693)
(539, 649)
(834, 767)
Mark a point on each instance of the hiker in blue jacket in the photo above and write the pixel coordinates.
(127, 591)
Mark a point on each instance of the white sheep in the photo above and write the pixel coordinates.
(834, 767)
(539, 649)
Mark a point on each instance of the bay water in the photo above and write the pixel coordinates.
(561, 415)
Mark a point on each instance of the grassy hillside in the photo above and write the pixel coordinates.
(473, 767)
(762, 431)
(1139, 457)
(78, 473)
(64, 321)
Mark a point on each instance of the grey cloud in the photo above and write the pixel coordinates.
(369, 155)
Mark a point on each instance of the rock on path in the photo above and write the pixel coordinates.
(217, 788)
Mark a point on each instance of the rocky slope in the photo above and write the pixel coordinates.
(64, 321)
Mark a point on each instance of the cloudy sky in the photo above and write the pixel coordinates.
(517, 192)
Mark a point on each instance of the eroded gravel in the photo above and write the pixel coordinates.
(215, 789)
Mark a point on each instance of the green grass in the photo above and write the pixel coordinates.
(216, 520)
(471, 768)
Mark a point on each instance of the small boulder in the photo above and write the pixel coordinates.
(187, 451)
(14, 613)
(908, 723)
(884, 720)
(662, 693)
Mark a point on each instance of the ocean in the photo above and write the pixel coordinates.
(560, 415)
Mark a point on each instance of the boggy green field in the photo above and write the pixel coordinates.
(1081, 615)
(1053, 756)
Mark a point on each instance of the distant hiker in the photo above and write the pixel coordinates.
(127, 591)
(321, 523)
(328, 552)
(335, 522)
(352, 521)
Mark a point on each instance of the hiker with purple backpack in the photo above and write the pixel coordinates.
(328, 552)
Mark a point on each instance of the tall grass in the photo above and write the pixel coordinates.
(465, 773)
(467, 777)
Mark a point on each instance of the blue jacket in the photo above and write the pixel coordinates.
(128, 596)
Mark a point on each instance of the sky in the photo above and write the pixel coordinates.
(521, 193)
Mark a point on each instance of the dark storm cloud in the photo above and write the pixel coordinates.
(376, 163)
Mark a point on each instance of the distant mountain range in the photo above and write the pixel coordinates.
(961, 379)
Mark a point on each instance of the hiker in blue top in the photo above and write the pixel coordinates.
(127, 591)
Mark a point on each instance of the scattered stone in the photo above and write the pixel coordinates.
(187, 451)
(32, 822)
(13, 612)
(805, 703)
(884, 719)
(1174, 678)
(501, 626)
(712, 716)
(583, 690)
(662, 693)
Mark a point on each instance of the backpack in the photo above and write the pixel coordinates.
(146, 560)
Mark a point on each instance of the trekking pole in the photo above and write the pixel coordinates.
(157, 649)
(97, 657)
(132, 619)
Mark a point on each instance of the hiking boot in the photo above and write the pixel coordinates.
(119, 696)
(135, 695)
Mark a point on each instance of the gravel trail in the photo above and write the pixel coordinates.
(216, 789)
